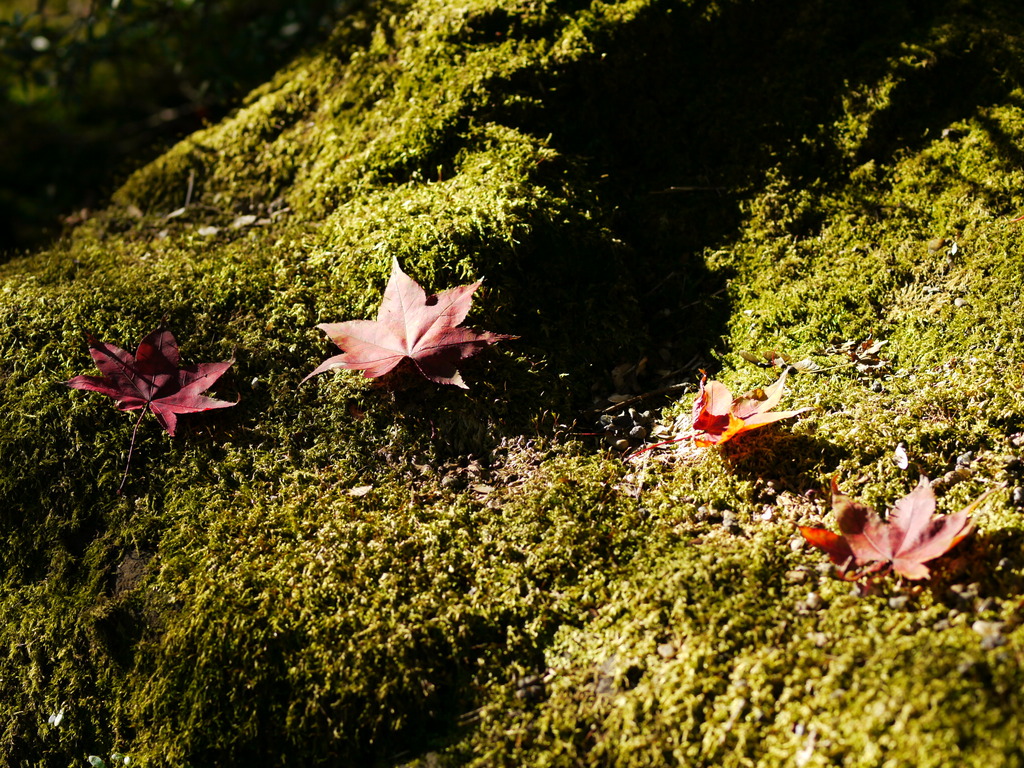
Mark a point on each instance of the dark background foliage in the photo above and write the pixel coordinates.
(91, 89)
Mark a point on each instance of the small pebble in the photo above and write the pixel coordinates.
(820, 639)
(859, 590)
(666, 650)
(950, 479)
(964, 595)
(814, 602)
(1017, 495)
(991, 633)
(706, 513)
(959, 475)
(729, 521)
(899, 602)
(797, 577)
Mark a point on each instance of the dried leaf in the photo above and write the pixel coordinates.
(864, 354)
(911, 536)
(900, 456)
(718, 416)
(806, 366)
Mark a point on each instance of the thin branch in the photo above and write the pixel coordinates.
(633, 400)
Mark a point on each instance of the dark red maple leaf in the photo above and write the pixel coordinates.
(410, 325)
(911, 536)
(718, 416)
(153, 378)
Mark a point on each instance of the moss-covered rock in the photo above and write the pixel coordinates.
(338, 573)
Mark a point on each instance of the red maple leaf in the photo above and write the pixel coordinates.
(911, 536)
(718, 416)
(410, 325)
(153, 379)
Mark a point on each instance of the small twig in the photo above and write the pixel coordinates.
(655, 393)
(688, 189)
(660, 283)
(704, 298)
(826, 369)
(191, 185)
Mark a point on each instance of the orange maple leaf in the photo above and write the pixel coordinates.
(718, 416)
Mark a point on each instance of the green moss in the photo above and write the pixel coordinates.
(336, 573)
(706, 657)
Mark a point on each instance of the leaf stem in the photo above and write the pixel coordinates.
(641, 451)
(131, 447)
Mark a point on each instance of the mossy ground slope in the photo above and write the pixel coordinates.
(336, 573)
